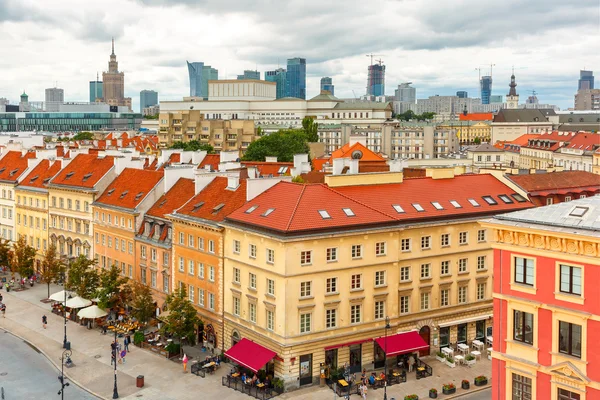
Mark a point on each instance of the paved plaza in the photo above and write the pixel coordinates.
(164, 379)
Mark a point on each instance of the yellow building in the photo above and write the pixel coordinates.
(223, 135)
(71, 194)
(596, 162)
(468, 131)
(312, 271)
(32, 206)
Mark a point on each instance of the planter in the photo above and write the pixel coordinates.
(449, 391)
(433, 395)
(451, 365)
(465, 385)
(440, 359)
(471, 362)
(481, 382)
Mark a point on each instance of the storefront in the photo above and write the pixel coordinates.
(250, 355)
(465, 330)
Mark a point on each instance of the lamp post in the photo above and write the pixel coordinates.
(65, 355)
(66, 344)
(115, 391)
(387, 326)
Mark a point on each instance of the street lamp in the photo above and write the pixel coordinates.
(65, 355)
(387, 326)
(66, 345)
(115, 391)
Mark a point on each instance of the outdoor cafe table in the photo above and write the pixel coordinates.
(478, 345)
(343, 382)
(210, 364)
(379, 382)
(463, 348)
(448, 351)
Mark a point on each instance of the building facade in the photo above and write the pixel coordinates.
(406, 93)
(95, 90)
(485, 84)
(376, 80)
(587, 99)
(547, 316)
(279, 76)
(148, 98)
(586, 80)
(113, 83)
(327, 84)
(295, 78)
(249, 74)
(54, 97)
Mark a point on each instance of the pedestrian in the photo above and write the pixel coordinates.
(363, 391)
(44, 321)
(1, 298)
(123, 354)
(411, 363)
(185, 361)
(126, 342)
(3, 309)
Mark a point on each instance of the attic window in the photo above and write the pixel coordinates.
(87, 176)
(162, 203)
(474, 202)
(2, 170)
(455, 204)
(196, 206)
(14, 171)
(34, 178)
(249, 211)
(124, 194)
(519, 198)
(70, 174)
(437, 205)
(349, 212)
(578, 211)
(282, 170)
(490, 200)
(266, 213)
(218, 208)
(110, 192)
(418, 207)
(505, 199)
(398, 209)
(47, 180)
(139, 195)
(324, 214)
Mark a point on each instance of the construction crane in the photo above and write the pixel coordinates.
(380, 61)
(375, 55)
(482, 66)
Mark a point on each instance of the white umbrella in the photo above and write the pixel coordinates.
(92, 312)
(60, 296)
(78, 302)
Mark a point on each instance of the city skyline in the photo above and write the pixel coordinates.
(430, 54)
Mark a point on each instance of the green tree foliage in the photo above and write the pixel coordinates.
(283, 145)
(23, 256)
(410, 115)
(111, 293)
(142, 304)
(52, 267)
(84, 136)
(193, 145)
(298, 179)
(83, 278)
(154, 116)
(310, 129)
(182, 319)
(477, 140)
(5, 254)
(259, 131)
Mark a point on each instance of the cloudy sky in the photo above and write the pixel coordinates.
(437, 45)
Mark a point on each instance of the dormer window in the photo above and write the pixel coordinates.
(87, 176)
(139, 196)
(110, 192)
(70, 174)
(124, 194)
(147, 229)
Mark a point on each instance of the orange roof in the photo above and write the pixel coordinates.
(181, 192)
(215, 201)
(298, 208)
(13, 165)
(476, 117)
(41, 174)
(585, 141)
(318, 163)
(346, 151)
(130, 188)
(270, 168)
(84, 171)
(524, 139)
(556, 180)
(211, 159)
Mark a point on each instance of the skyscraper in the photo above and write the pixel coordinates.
(295, 84)
(461, 94)
(54, 98)
(486, 89)
(113, 83)
(249, 74)
(327, 84)
(148, 98)
(200, 74)
(376, 80)
(406, 93)
(279, 77)
(95, 90)
(586, 80)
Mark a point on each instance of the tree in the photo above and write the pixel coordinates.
(407, 115)
(193, 145)
(52, 267)
(259, 131)
(298, 179)
(153, 116)
(477, 140)
(111, 286)
(84, 136)
(142, 304)
(5, 254)
(83, 278)
(283, 145)
(182, 319)
(310, 129)
(23, 256)
(427, 116)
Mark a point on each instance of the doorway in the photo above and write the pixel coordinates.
(355, 358)
(306, 369)
(425, 333)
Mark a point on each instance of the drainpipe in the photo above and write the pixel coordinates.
(500, 314)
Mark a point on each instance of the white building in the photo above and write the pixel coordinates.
(54, 98)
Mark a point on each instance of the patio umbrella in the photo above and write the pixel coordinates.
(78, 302)
(92, 312)
(60, 296)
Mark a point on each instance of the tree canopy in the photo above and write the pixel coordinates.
(23, 256)
(83, 278)
(310, 129)
(283, 145)
(5, 254)
(182, 319)
(410, 115)
(142, 305)
(52, 268)
(112, 291)
(193, 145)
(84, 136)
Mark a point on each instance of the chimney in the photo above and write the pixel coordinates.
(271, 159)
(254, 187)
(174, 173)
(233, 182)
(396, 165)
(202, 180)
(346, 166)
(357, 139)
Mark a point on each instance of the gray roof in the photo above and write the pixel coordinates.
(485, 147)
(523, 115)
(363, 105)
(325, 97)
(580, 118)
(578, 127)
(578, 216)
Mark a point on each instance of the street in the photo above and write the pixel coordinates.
(26, 374)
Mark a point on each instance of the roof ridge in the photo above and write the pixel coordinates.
(287, 227)
(359, 202)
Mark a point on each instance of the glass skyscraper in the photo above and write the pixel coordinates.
(200, 74)
(95, 90)
(249, 74)
(327, 84)
(462, 94)
(486, 89)
(279, 77)
(586, 80)
(376, 80)
(295, 84)
(148, 98)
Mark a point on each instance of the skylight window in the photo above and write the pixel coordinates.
(490, 200)
(519, 198)
(455, 204)
(139, 195)
(70, 174)
(349, 212)
(324, 214)
(269, 211)
(218, 207)
(398, 209)
(34, 178)
(110, 192)
(47, 180)
(196, 206)
(437, 205)
(2, 170)
(249, 211)
(474, 202)
(124, 194)
(505, 199)
(418, 207)
(578, 211)
(87, 176)
(162, 203)
(282, 170)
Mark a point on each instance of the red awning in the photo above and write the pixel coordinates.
(402, 343)
(337, 346)
(249, 354)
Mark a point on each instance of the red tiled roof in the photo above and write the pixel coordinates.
(211, 159)
(346, 151)
(41, 174)
(296, 207)
(130, 188)
(215, 201)
(585, 141)
(13, 165)
(270, 168)
(555, 180)
(318, 163)
(524, 139)
(313, 177)
(476, 117)
(181, 192)
(84, 171)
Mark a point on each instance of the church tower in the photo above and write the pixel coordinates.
(512, 100)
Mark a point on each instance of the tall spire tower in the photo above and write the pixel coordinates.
(512, 100)
(113, 82)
